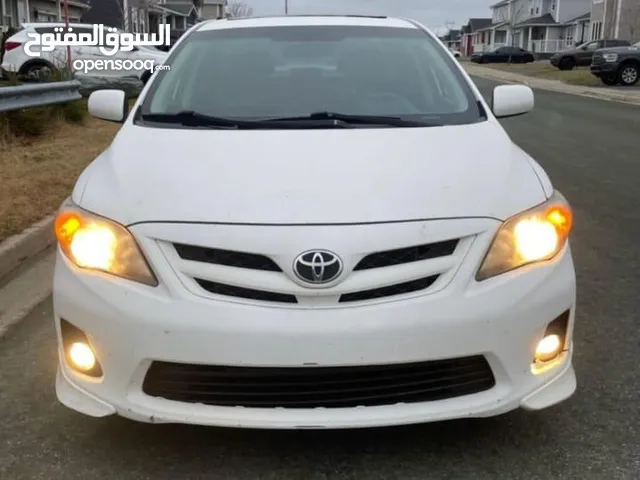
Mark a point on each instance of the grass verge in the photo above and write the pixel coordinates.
(38, 173)
(579, 76)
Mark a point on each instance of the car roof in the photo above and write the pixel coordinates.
(307, 20)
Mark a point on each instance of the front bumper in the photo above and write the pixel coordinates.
(130, 326)
(603, 69)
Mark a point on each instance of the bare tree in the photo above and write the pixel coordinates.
(517, 14)
(239, 9)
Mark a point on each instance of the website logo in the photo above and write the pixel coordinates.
(108, 39)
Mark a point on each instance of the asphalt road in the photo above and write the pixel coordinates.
(591, 148)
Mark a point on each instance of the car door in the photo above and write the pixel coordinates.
(585, 53)
(501, 55)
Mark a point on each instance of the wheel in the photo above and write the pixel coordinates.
(567, 63)
(609, 80)
(37, 70)
(629, 75)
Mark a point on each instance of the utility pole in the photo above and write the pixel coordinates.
(286, 7)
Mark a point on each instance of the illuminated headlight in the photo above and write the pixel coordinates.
(610, 57)
(97, 243)
(532, 236)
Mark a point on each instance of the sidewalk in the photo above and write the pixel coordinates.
(630, 95)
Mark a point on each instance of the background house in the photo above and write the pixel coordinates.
(616, 19)
(541, 26)
(475, 35)
(15, 12)
(147, 15)
(452, 39)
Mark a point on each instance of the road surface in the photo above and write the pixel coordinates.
(591, 148)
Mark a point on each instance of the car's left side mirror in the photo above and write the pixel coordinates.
(109, 105)
(512, 100)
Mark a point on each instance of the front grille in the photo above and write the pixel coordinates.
(597, 59)
(241, 292)
(229, 258)
(314, 387)
(407, 255)
(392, 290)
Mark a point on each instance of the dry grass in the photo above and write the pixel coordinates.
(38, 174)
(579, 76)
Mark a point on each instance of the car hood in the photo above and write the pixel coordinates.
(309, 176)
(619, 49)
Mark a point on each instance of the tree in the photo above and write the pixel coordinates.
(517, 14)
(239, 9)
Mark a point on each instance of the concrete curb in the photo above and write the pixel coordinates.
(18, 249)
(552, 86)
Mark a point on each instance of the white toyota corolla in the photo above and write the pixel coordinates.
(349, 241)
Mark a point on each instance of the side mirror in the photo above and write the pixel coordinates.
(512, 100)
(109, 105)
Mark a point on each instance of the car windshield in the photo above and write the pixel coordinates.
(294, 71)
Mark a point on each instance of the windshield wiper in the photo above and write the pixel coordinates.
(392, 121)
(192, 118)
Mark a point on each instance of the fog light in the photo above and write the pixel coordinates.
(548, 348)
(77, 350)
(82, 356)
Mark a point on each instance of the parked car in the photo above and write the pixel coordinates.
(504, 55)
(312, 249)
(17, 61)
(581, 56)
(617, 66)
(456, 53)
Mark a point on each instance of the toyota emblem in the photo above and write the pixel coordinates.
(317, 266)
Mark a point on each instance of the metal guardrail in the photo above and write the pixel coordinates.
(38, 95)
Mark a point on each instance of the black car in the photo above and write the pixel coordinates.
(503, 55)
(617, 65)
(582, 55)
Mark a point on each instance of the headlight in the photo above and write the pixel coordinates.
(97, 243)
(610, 57)
(532, 236)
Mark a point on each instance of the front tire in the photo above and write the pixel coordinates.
(37, 70)
(629, 75)
(609, 80)
(567, 63)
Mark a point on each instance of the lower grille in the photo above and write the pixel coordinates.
(314, 387)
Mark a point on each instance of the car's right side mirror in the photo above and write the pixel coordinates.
(512, 100)
(109, 105)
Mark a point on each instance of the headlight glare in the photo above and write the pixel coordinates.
(97, 243)
(532, 236)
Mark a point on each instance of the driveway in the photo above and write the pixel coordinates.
(590, 147)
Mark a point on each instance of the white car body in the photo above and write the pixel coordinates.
(16, 60)
(249, 191)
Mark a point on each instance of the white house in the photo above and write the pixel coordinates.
(541, 26)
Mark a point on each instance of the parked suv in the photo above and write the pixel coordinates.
(619, 65)
(581, 56)
(17, 61)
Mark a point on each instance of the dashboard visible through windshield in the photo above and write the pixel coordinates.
(294, 71)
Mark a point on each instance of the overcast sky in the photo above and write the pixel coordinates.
(433, 13)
